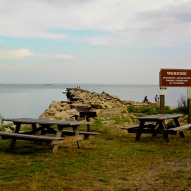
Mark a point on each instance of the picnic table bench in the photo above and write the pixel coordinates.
(85, 133)
(137, 126)
(49, 140)
(182, 128)
(70, 132)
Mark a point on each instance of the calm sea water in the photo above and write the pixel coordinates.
(30, 100)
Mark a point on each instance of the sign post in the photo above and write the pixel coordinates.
(176, 78)
(162, 99)
(189, 104)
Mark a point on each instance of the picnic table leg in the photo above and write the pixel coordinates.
(86, 137)
(34, 129)
(13, 141)
(88, 125)
(75, 129)
(166, 137)
(181, 133)
(138, 135)
(58, 134)
(162, 127)
(34, 132)
(176, 122)
(47, 129)
(156, 127)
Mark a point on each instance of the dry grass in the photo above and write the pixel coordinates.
(113, 161)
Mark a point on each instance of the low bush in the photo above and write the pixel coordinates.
(182, 105)
(143, 110)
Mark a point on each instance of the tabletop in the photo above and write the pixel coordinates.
(159, 117)
(45, 121)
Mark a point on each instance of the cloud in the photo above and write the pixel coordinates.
(118, 36)
(34, 34)
(21, 53)
(15, 54)
(57, 56)
(132, 21)
(64, 2)
(114, 41)
(65, 56)
(168, 25)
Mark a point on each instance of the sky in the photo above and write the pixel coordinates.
(93, 41)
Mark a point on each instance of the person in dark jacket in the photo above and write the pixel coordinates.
(145, 99)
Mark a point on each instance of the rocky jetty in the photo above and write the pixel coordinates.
(105, 105)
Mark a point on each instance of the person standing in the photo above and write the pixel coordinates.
(156, 98)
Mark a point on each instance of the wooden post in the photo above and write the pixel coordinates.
(162, 104)
(189, 110)
(162, 99)
(189, 103)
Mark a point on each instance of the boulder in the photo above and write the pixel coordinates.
(62, 115)
(50, 111)
(108, 113)
(55, 104)
(73, 113)
(65, 106)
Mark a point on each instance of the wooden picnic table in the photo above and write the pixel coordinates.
(42, 125)
(156, 124)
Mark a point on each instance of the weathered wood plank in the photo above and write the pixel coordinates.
(159, 117)
(45, 121)
(85, 133)
(146, 130)
(137, 126)
(29, 137)
(130, 127)
(48, 140)
(180, 128)
(70, 132)
(89, 133)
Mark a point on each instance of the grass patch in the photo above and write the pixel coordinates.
(143, 110)
(107, 162)
(147, 110)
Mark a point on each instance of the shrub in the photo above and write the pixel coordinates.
(1, 122)
(171, 124)
(182, 105)
(130, 109)
(144, 110)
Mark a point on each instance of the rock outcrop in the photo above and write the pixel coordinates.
(105, 105)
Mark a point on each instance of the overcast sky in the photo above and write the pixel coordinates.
(93, 41)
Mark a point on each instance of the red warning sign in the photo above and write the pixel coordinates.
(175, 77)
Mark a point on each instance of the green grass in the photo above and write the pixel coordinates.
(147, 110)
(143, 110)
(110, 161)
